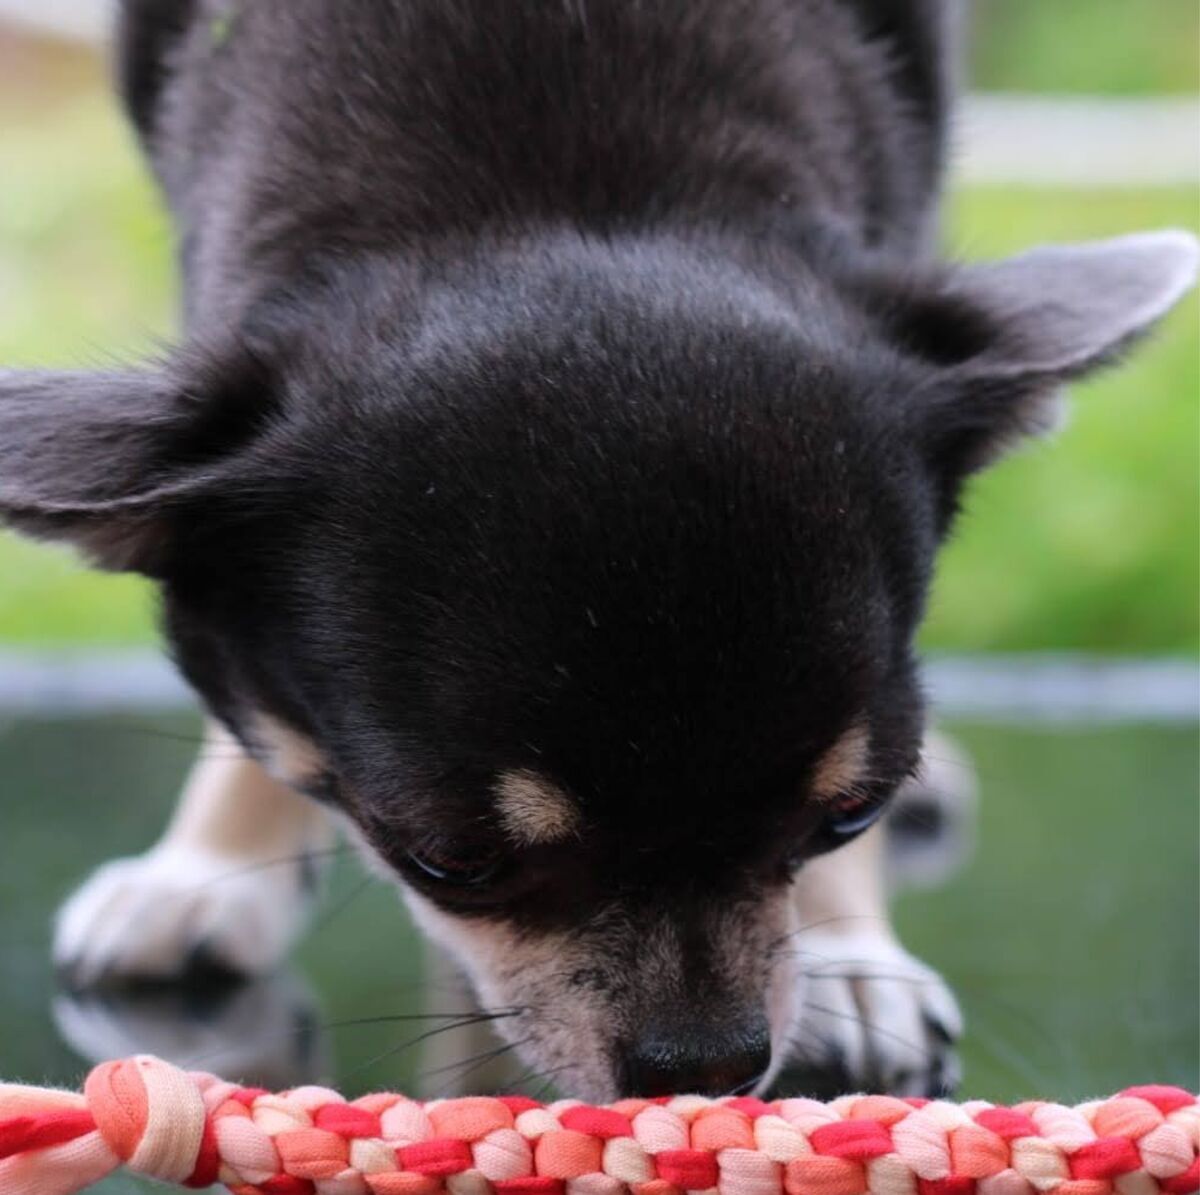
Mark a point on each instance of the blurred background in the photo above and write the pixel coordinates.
(1062, 638)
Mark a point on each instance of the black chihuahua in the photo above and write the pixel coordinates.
(548, 482)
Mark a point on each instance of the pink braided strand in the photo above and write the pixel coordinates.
(195, 1130)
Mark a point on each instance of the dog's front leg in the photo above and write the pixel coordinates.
(872, 1016)
(229, 884)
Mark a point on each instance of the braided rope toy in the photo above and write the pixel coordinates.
(195, 1130)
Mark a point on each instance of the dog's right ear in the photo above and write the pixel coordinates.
(103, 460)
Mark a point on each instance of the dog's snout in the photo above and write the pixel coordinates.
(700, 1063)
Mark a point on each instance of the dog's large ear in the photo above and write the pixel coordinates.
(102, 460)
(1006, 336)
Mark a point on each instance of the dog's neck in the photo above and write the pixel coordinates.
(496, 121)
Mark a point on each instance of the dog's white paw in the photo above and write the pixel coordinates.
(876, 1017)
(930, 826)
(162, 914)
(264, 1031)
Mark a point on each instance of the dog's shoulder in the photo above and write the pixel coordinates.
(147, 33)
(278, 125)
(921, 38)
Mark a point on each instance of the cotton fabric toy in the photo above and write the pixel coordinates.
(195, 1130)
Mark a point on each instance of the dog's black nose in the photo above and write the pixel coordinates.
(699, 1062)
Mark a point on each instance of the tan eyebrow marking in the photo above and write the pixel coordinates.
(533, 811)
(843, 765)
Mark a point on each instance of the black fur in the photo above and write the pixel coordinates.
(575, 270)
(568, 387)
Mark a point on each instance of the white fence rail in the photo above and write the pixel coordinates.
(1085, 141)
(85, 19)
(1046, 689)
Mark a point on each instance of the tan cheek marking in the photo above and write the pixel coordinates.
(843, 765)
(533, 811)
(559, 1029)
(288, 756)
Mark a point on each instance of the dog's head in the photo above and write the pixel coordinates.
(587, 592)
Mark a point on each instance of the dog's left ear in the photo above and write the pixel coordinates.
(104, 460)
(1006, 336)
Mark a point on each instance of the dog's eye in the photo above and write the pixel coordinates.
(851, 814)
(463, 865)
(841, 820)
(835, 822)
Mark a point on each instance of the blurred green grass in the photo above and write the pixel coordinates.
(85, 280)
(1089, 542)
(1113, 47)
